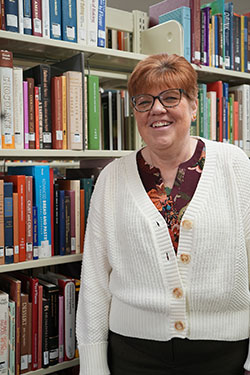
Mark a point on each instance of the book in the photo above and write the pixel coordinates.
(37, 115)
(101, 29)
(56, 218)
(237, 41)
(238, 99)
(6, 95)
(82, 219)
(183, 16)
(82, 14)
(2, 16)
(8, 222)
(2, 259)
(247, 15)
(55, 12)
(74, 110)
(27, 17)
(15, 228)
(236, 123)
(57, 113)
(20, 16)
(42, 75)
(36, 7)
(205, 20)
(67, 224)
(218, 88)
(12, 287)
(213, 114)
(24, 333)
(31, 108)
(4, 324)
(72, 216)
(29, 216)
(62, 224)
(50, 293)
(19, 187)
(41, 191)
(45, 343)
(69, 27)
(35, 233)
(92, 22)
(46, 19)
(11, 15)
(61, 328)
(40, 326)
(93, 113)
(51, 180)
(25, 115)
(12, 336)
(18, 107)
(229, 63)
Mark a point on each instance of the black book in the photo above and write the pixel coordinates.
(45, 336)
(56, 220)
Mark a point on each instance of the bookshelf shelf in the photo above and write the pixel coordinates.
(208, 74)
(53, 369)
(52, 261)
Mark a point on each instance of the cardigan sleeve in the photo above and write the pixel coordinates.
(92, 322)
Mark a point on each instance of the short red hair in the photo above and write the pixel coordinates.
(163, 71)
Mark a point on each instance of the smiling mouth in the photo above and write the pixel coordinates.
(160, 124)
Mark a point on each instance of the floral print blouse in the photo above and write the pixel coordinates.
(172, 203)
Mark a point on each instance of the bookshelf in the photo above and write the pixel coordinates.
(109, 65)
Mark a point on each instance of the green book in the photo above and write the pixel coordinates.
(93, 113)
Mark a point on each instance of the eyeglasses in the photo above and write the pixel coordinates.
(168, 99)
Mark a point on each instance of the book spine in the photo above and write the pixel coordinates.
(45, 342)
(36, 6)
(82, 219)
(69, 27)
(29, 335)
(56, 112)
(2, 260)
(53, 327)
(12, 339)
(62, 244)
(40, 107)
(237, 42)
(45, 97)
(40, 326)
(82, 12)
(248, 44)
(4, 332)
(67, 224)
(56, 219)
(20, 16)
(31, 106)
(34, 299)
(242, 43)
(24, 333)
(93, 113)
(15, 228)
(36, 94)
(35, 233)
(69, 315)
(236, 123)
(11, 15)
(71, 194)
(8, 222)
(64, 112)
(25, 114)
(46, 19)
(101, 32)
(18, 107)
(29, 218)
(61, 328)
(51, 181)
(92, 23)
(27, 17)
(2, 15)
(55, 19)
(195, 32)
(245, 44)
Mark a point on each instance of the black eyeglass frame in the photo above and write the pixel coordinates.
(181, 91)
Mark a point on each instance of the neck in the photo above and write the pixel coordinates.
(172, 157)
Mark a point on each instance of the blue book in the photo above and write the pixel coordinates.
(8, 222)
(11, 15)
(229, 35)
(41, 199)
(27, 17)
(87, 185)
(55, 14)
(183, 16)
(35, 233)
(226, 136)
(62, 223)
(69, 26)
(101, 32)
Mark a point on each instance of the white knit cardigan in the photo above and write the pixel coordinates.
(135, 285)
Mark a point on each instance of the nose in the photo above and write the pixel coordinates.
(158, 107)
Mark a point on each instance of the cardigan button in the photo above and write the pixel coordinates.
(178, 293)
(187, 224)
(185, 258)
(179, 326)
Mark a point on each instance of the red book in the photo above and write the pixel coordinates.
(29, 217)
(51, 177)
(57, 113)
(36, 6)
(236, 123)
(2, 15)
(40, 325)
(19, 186)
(218, 87)
(12, 286)
(37, 143)
(195, 31)
(30, 286)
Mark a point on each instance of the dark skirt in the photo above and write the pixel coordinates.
(133, 356)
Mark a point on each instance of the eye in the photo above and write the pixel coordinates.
(143, 101)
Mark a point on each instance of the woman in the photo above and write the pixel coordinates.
(165, 282)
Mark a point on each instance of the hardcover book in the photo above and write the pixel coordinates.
(8, 222)
(4, 324)
(31, 107)
(11, 15)
(2, 260)
(45, 343)
(27, 17)
(12, 336)
(92, 23)
(101, 31)
(29, 217)
(15, 228)
(36, 6)
(69, 27)
(18, 107)
(24, 333)
(93, 113)
(46, 19)
(57, 113)
(25, 115)
(55, 19)
(82, 20)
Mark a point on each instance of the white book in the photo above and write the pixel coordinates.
(82, 21)
(6, 100)
(20, 16)
(110, 110)
(92, 23)
(245, 90)
(4, 324)
(12, 338)
(45, 19)
(213, 114)
(18, 107)
(119, 120)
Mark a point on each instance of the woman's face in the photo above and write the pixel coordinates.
(162, 128)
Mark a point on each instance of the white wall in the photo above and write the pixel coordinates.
(240, 6)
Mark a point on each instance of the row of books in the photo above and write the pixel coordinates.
(224, 113)
(56, 106)
(78, 21)
(214, 34)
(41, 216)
(37, 319)
(120, 40)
